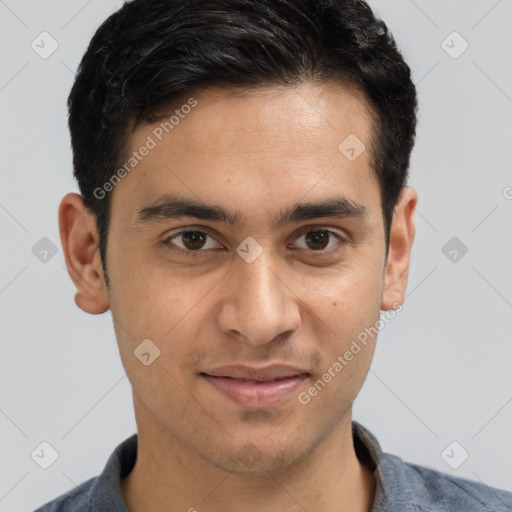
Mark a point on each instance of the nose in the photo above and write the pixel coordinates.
(258, 304)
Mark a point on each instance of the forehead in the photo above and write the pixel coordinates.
(282, 120)
(254, 148)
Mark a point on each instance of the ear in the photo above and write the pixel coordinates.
(401, 237)
(79, 239)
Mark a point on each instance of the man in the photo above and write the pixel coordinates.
(245, 216)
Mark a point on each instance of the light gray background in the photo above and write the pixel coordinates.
(441, 372)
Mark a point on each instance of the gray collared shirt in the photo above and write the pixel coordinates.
(400, 486)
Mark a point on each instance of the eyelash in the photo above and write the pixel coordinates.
(197, 253)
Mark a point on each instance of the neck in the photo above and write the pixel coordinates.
(169, 477)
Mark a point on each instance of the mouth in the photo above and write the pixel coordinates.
(256, 388)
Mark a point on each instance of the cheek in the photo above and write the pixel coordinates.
(347, 300)
(171, 318)
(154, 301)
(349, 310)
(171, 312)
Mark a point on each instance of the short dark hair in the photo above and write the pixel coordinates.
(149, 54)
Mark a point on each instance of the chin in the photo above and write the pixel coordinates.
(251, 459)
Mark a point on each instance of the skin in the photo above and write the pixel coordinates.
(257, 152)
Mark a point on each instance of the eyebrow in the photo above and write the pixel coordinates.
(174, 207)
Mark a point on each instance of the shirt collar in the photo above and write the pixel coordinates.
(106, 493)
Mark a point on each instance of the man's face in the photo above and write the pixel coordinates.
(296, 293)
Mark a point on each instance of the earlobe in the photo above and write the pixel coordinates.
(401, 238)
(79, 240)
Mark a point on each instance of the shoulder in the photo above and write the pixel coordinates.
(76, 500)
(432, 490)
(102, 493)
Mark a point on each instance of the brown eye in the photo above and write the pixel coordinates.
(191, 241)
(317, 240)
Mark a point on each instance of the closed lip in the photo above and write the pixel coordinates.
(267, 373)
